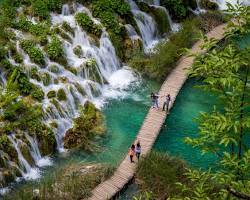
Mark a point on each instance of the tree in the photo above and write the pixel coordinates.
(224, 131)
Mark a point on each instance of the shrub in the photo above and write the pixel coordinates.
(87, 24)
(40, 8)
(3, 53)
(61, 95)
(23, 23)
(40, 29)
(55, 50)
(176, 8)
(18, 58)
(34, 53)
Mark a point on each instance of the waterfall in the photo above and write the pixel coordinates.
(146, 25)
(35, 152)
(26, 170)
(132, 33)
(65, 10)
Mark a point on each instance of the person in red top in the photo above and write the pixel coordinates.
(132, 153)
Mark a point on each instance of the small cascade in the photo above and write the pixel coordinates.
(132, 33)
(147, 26)
(65, 10)
(35, 152)
(26, 170)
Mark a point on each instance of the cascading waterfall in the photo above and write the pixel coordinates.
(26, 170)
(132, 33)
(35, 152)
(146, 25)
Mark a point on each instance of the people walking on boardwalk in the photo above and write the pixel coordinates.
(156, 96)
(132, 153)
(138, 150)
(166, 103)
(152, 96)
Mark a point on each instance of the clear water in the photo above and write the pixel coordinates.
(181, 123)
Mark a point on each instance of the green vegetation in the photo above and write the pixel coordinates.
(209, 5)
(55, 51)
(157, 172)
(61, 95)
(224, 131)
(34, 52)
(159, 63)
(86, 127)
(88, 25)
(75, 181)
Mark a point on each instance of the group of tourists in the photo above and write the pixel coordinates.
(135, 150)
(155, 101)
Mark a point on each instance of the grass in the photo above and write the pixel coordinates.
(157, 173)
(75, 181)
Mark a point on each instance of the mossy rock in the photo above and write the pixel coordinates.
(161, 19)
(78, 51)
(18, 58)
(51, 94)
(93, 72)
(46, 79)
(47, 141)
(61, 95)
(80, 89)
(54, 69)
(63, 79)
(86, 127)
(35, 74)
(26, 153)
(66, 27)
(209, 5)
(56, 81)
(132, 47)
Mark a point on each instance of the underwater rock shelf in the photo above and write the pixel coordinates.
(152, 124)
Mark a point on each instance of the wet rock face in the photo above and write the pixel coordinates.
(86, 127)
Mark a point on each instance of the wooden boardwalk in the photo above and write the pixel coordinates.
(151, 125)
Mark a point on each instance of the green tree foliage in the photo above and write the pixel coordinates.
(224, 131)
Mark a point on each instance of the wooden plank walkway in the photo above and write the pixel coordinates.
(151, 125)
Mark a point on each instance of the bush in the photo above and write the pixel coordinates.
(87, 24)
(40, 8)
(55, 50)
(37, 93)
(34, 53)
(158, 173)
(177, 8)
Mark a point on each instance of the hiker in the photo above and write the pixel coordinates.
(138, 150)
(132, 152)
(156, 96)
(166, 103)
(152, 96)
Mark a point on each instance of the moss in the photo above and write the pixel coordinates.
(78, 51)
(37, 93)
(61, 95)
(18, 58)
(46, 78)
(54, 68)
(161, 20)
(56, 81)
(80, 89)
(26, 153)
(46, 141)
(93, 71)
(35, 74)
(66, 27)
(51, 94)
